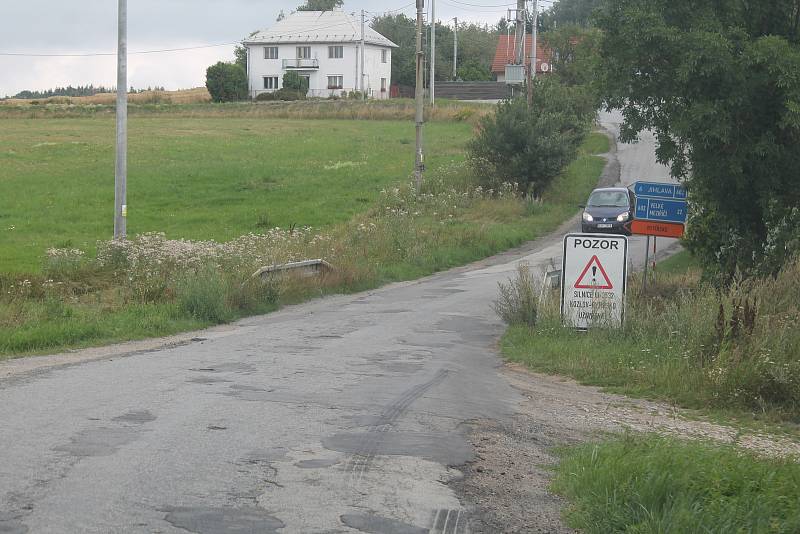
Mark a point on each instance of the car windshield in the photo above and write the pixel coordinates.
(608, 199)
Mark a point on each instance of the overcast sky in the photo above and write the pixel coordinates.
(89, 26)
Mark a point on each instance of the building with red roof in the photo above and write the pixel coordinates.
(506, 54)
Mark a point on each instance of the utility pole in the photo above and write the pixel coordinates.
(534, 62)
(433, 52)
(419, 164)
(121, 172)
(520, 35)
(363, 51)
(455, 49)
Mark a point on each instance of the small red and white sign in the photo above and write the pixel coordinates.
(594, 272)
(594, 279)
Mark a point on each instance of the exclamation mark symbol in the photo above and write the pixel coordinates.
(594, 276)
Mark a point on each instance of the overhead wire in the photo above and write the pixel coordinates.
(162, 50)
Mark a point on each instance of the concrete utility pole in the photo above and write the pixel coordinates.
(520, 35)
(455, 48)
(121, 173)
(534, 62)
(419, 164)
(433, 52)
(363, 51)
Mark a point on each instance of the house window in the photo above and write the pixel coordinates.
(335, 52)
(270, 82)
(303, 52)
(384, 55)
(335, 82)
(270, 52)
(383, 85)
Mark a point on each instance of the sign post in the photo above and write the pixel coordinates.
(594, 280)
(661, 210)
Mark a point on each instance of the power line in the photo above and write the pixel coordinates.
(484, 5)
(164, 50)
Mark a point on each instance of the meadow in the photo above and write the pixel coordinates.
(213, 196)
(197, 178)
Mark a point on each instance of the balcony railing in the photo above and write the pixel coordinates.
(300, 64)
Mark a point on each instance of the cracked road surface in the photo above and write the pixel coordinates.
(345, 414)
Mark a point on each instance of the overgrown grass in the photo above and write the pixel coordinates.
(649, 484)
(733, 352)
(164, 105)
(399, 236)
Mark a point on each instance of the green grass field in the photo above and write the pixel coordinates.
(197, 178)
(206, 178)
(653, 485)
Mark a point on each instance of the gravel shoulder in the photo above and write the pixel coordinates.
(505, 488)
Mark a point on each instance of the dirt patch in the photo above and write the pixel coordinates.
(505, 488)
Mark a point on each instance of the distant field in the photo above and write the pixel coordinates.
(184, 96)
(197, 178)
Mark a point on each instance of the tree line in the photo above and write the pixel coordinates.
(81, 90)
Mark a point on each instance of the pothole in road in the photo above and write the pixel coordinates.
(316, 463)
(374, 524)
(222, 520)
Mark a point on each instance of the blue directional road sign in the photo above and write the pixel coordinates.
(659, 190)
(657, 209)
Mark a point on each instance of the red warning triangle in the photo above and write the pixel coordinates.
(593, 276)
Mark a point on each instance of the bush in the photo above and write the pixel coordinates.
(518, 303)
(294, 82)
(289, 95)
(265, 97)
(226, 82)
(531, 146)
(203, 295)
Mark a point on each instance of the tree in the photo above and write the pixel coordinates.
(292, 81)
(320, 5)
(401, 30)
(576, 54)
(532, 145)
(569, 12)
(240, 53)
(716, 80)
(226, 82)
(476, 47)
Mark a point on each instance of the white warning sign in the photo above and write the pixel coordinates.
(594, 273)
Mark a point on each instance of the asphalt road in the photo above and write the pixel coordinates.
(339, 415)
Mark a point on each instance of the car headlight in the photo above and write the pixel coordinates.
(587, 217)
(623, 217)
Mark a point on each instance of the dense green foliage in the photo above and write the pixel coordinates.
(226, 82)
(530, 146)
(653, 485)
(576, 59)
(569, 13)
(292, 81)
(717, 82)
(320, 5)
(476, 48)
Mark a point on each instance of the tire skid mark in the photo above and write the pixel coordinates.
(449, 522)
(360, 461)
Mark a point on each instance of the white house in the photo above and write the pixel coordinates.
(325, 47)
